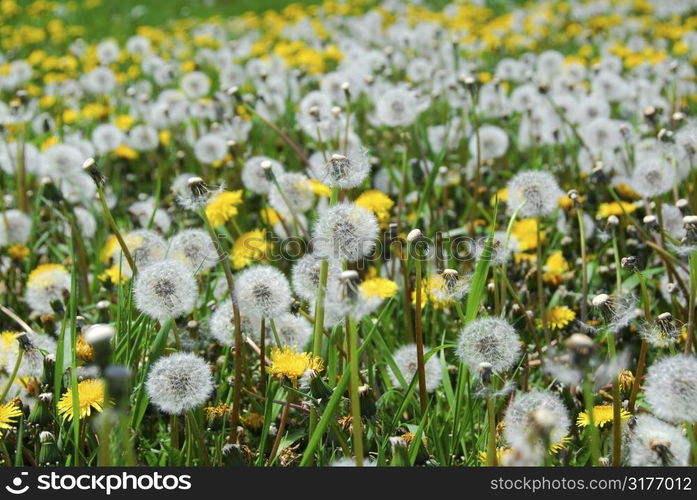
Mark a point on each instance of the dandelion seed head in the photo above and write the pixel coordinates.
(295, 195)
(654, 442)
(222, 327)
(263, 291)
(179, 382)
(536, 193)
(489, 340)
(345, 231)
(671, 388)
(193, 247)
(522, 410)
(166, 290)
(255, 178)
(406, 360)
(306, 274)
(15, 227)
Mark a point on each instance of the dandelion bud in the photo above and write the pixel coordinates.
(345, 88)
(613, 221)
(600, 300)
(118, 384)
(678, 116)
(414, 236)
(49, 453)
(631, 263)
(651, 222)
(626, 380)
(690, 225)
(90, 168)
(400, 453)
(197, 187)
(485, 372)
(649, 112)
(665, 135)
(581, 347)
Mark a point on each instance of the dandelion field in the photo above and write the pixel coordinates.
(348, 233)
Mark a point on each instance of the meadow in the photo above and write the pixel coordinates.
(360, 233)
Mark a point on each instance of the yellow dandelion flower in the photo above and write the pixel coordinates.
(114, 275)
(601, 415)
(250, 247)
(605, 210)
(216, 411)
(18, 251)
(558, 317)
(223, 207)
(500, 455)
(165, 137)
(84, 350)
(501, 194)
(8, 413)
(90, 395)
(319, 188)
(525, 231)
(51, 141)
(379, 287)
(270, 216)
(290, 364)
(555, 267)
(126, 153)
(109, 248)
(378, 203)
(124, 122)
(252, 421)
(626, 192)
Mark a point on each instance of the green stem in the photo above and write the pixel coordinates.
(356, 422)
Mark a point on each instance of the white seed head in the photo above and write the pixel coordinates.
(525, 410)
(262, 291)
(491, 340)
(653, 442)
(671, 388)
(179, 382)
(166, 290)
(195, 248)
(345, 231)
(406, 360)
(536, 193)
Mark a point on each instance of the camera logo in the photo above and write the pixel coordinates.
(16, 488)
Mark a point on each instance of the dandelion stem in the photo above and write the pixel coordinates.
(237, 323)
(584, 264)
(641, 361)
(540, 288)
(356, 423)
(423, 395)
(13, 375)
(281, 431)
(112, 224)
(262, 355)
(616, 422)
(591, 428)
(491, 444)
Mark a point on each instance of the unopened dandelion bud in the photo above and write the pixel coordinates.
(626, 380)
(49, 453)
(400, 454)
(630, 263)
(346, 88)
